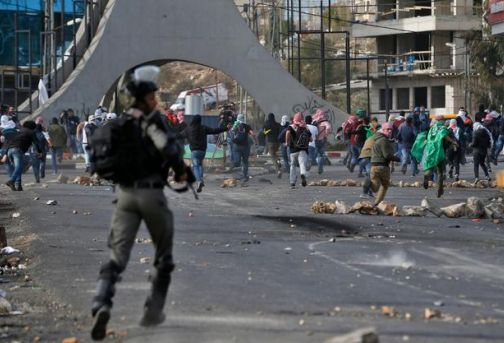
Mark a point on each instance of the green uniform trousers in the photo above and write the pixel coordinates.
(133, 206)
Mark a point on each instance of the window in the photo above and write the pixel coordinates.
(420, 96)
(438, 97)
(383, 100)
(403, 98)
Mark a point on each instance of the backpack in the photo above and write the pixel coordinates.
(117, 151)
(90, 129)
(303, 137)
(240, 136)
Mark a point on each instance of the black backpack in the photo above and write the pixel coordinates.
(303, 138)
(240, 136)
(118, 153)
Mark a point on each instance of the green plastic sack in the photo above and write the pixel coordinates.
(418, 147)
(434, 153)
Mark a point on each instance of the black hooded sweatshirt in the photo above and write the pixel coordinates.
(272, 129)
(196, 134)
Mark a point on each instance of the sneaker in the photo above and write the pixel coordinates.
(426, 182)
(476, 180)
(99, 331)
(404, 169)
(440, 192)
(488, 178)
(456, 178)
(11, 185)
(293, 186)
(279, 174)
(303, 180)
(19, 188)
(450, 174)
(200, 187)
(371, 195)
(364, 196)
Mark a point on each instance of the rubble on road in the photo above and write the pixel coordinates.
(430, 313)
(62, 179)
(403, 184)
(90, 181)
(474, 208)
(454, 211)
(5, 307)
(229, 183)
(51, 203)
(364, 207)
(366, 335)
(389, 311)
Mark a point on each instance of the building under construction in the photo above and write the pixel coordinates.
(423, 54)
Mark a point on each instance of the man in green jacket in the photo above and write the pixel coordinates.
(381, 156)
(58, 139)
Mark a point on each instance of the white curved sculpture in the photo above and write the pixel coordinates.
(211, 33)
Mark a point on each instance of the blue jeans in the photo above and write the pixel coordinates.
(242, 153)
(498, 146)
(365, 165)
(312, 157)
(73, 143)
(56, 153)
(320, 156)
(16, 158)
(355, 155)
(197, 157)
(38, 165)
(407, 158)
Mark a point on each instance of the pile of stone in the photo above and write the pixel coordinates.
(474, 208)
(89, 181)
(229, 183)
(336, 183)
(403, 184)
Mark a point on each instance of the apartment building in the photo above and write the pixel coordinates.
(422, 49)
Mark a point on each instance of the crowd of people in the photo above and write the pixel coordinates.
(27, 145)
(436, 143)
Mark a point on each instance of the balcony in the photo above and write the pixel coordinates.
(401, 16)
(415, 63)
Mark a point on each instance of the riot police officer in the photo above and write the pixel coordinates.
(142, 199)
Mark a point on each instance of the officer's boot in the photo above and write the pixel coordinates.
(153, 310)
(102, 302)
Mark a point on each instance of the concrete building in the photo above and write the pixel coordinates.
(423, 49)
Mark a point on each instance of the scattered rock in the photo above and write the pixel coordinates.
(75, 212)
(5, 307)
(16, 215)
(13, 261)
(414, 211)
(229, 183)
(430, 313)
(36, 198)
(455, 211)
(389, 311)
(364, 207)
(496, 221)
(475, 207)
(71, 340)
(387, 208)
(366, 335)
(431, 208)
(51, 203)
(145, 260)
(494, 210)
(62, 179)
(341, 207)
(320, 207)
(351, 183)
(323, 182)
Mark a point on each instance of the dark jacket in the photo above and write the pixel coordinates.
(481, 141)
(406, 135)
(383, 150)
(283, 132)
(272, 129)
(196, 134)
(40, 141)
(23, 140)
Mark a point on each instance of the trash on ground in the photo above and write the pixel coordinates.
(229, 183)
(8, 251)
(430, 313)
(51, 203)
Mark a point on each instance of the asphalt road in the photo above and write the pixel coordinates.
(255, 265)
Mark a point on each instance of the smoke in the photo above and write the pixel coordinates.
(396, 258)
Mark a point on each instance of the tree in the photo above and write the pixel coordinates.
(486, 54)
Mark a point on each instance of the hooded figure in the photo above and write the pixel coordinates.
(482, 141)
(271, 131)
(284, 121)
(298, 138)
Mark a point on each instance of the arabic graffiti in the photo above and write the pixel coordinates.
(311, 106)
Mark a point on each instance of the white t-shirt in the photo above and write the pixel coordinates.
(314, 132)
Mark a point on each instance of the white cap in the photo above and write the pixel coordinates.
(111, 116)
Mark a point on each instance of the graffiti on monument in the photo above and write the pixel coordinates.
(311, 106)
